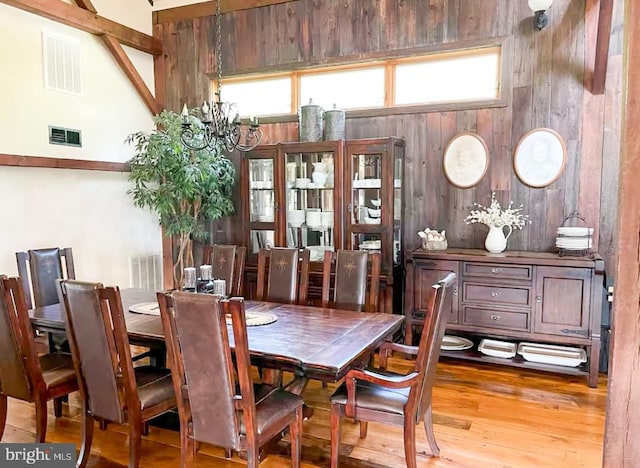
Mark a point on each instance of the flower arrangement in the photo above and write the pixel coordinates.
(494, 215)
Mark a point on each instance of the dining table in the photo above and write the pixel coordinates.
(311, 342)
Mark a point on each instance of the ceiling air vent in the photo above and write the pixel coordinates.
(64, 136)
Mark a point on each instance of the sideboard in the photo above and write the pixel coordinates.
(516, 296)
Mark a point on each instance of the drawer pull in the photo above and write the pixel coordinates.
(496, 270)
(495, 317)
(496, 294)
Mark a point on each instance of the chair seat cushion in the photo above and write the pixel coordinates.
(272, 404)
(374, 397)
(57, 369)
(154, 385)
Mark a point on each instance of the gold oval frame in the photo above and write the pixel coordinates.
(450, 175)
(543, 179)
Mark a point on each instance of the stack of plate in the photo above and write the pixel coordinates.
(574, 238)
(455, 343)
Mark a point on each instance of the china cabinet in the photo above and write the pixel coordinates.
(327, 195)
(513, 296)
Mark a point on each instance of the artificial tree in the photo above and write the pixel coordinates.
(184, 187)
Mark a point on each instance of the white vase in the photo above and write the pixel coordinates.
(319, 175)
(496, 241)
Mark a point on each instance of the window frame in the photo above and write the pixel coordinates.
(389, 61)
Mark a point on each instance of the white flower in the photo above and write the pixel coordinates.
(494, 215)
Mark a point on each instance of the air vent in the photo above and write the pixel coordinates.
(61, 61)
(64, 136)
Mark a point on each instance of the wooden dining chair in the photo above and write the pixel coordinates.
(217, 401)
(285, 272)
(401, 400)
(38, 270)
(227, 263)
(351, 272)
(23, 374)
(111, 388)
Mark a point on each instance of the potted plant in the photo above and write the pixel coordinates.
(183, 186)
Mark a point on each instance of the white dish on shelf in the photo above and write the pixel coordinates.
(455, 343)
(496, 348)
(552, 354)
(574, 231)
(376, 202)
(371, 244)
(368, 220)
(373, 213)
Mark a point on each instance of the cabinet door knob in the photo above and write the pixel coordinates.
(496, 294)
(495, 317)
(455, 291)
(349, 208)
(539, 298)
(496, 270)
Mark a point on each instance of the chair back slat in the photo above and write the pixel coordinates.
(288, 275)
(91, 337)
(43, 267)
(14, 374)
(351, 280)
(227, 263)
(433, 330)
(203, 341)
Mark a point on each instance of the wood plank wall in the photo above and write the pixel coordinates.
(551, 73)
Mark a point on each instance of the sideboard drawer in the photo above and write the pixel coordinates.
(495, 294)
(496, 270)
(479, 317)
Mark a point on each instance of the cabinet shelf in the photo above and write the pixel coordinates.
(517, 361)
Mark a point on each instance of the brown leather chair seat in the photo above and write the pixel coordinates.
(57, 369)
(154, 385)
(277, 406)
(374, 397)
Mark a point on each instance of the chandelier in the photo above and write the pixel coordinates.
(220, 121)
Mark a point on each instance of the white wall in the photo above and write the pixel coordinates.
(86, 210)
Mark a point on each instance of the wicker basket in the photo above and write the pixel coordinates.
(434, 245)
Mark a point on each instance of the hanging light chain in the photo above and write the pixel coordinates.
(219, 48)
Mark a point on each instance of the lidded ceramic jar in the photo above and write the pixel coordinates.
(334, 124)
(310, 122)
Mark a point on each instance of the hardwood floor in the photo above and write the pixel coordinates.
(489, 416)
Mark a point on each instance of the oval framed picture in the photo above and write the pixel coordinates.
(540, 157)
(465, 160)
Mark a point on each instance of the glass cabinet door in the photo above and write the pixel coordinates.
(261, 210)
(397, 204)
(310, 179)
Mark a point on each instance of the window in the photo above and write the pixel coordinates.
(264, 96)
(457, 77)
(409, 84)
(348, 89)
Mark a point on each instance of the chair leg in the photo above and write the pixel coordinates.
(135, 443)
(428, 428)
(145, 428)
(295, 429)
(103, 424)
(87, 437)
(3, 413)
(253, 457)
(410, 443)
(335, 434)
(57, 407)
(228, 453)
(363, 429)
(187, 449)
(41, 418)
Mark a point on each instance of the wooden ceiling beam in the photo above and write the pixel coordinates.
(198, 10)
(131, 72)
(88, 21)
(86, 5)
(602, 46)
